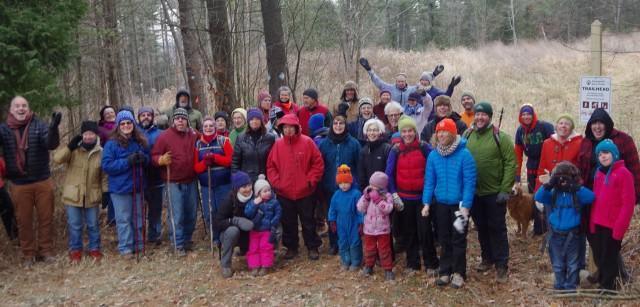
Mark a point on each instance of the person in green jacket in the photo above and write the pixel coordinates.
(183, 100)
(239, 122)
(493, 152)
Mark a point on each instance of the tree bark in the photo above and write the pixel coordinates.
(274, 41)
(193, 60)
(112, 52)
(220, 38)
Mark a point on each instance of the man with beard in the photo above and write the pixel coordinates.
(153, 191)
(183, 100)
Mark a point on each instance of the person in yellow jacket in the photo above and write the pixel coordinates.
(83, 189)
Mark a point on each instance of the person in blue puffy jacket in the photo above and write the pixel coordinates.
(345, 220)
(448, 193)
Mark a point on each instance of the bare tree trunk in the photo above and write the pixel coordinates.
(192, 56)
(113, 53)
(177, 41)
(220, 38)
(512, 22)
(274, 41)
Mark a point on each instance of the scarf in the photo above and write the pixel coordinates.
(445, 150)
(413, 110)
(208, 138)
(88, 147)
(22, 141)
(338, 138)
(243, 199)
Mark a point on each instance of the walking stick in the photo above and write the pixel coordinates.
(210, 209)
(201, 206)
(170, 207)
(143, 208)
(134, 215)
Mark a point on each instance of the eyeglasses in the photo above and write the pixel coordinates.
(394, 115)
(373, 130)
(126, 123)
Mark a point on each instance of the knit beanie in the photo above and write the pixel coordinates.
(311, 92)
(222, 114)
(379, 180)
(127, 107)
(262, 95)
(415, 96)
(447, 124)
(124, 115)
(407, 122)
(428, 76)
(608, 146)
(385, 91)
(567, 117)
(242, 112)
(89, 125)
(363, 101)
(254, 113)
(526, 108)
(145, 109)
(442, 99)
(180, 112)
(483, 107)
(375, 122)
(343, 175)
(467, 94)
(260, 184)
(316, 121)
(239, 179)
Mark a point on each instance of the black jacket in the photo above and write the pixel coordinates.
(430, 129)
(41, 140)
(229, 208)
(251, 156)
(373, 158)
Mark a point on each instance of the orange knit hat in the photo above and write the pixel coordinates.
(447, 124)
(344, 174)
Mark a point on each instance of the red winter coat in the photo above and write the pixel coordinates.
(294, 165)
(180, 144)
(305, 113)
(553, 152)
(613, 207)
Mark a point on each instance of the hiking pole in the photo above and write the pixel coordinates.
(210, 211)
(201, 206)
(144, 209)
(134, 215)
(170, 207)
(500, 118)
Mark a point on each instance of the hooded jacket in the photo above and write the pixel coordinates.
(405, 168)
(85, 181)
(613, 207)
(430, 129)
(529, 140)
(294, 165)
(554, 152)
(353, 112)
(265, 216)
(195, 117)
(587, 160)
(343, 210)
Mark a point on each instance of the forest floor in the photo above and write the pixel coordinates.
(160, 279)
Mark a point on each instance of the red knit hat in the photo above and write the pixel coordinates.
(447, 124)
(344, 174)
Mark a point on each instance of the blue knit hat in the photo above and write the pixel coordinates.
(254, 113)
(316, 121)
(609, 146)
(124, 115)
(239, 179)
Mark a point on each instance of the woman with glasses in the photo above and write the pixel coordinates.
(393, 111)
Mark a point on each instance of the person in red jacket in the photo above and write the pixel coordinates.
(312, 106)
(7, 212)
(284, 102)
(173, 153)
(563, 145)
(294, 168)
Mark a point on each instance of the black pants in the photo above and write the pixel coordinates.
(539, 222)
(292, 210)
(7, 214)
(489, 218)
(606, 253)
(453, 256)
(417, 233)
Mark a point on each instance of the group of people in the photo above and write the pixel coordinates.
(382, 178)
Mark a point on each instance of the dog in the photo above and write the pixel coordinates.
(521, 206)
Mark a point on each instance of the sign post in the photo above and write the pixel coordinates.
(595, 93)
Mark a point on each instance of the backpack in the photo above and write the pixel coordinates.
(496, 135)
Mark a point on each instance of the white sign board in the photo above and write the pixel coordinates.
(595, 92)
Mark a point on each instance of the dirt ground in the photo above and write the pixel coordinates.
(160, 279)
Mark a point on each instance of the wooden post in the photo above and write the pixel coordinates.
(596, 48)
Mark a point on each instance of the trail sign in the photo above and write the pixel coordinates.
(595, 93)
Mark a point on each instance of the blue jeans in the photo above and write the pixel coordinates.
(563, 251)
(183, 206)
(111, 214)
(153, 196)
(77, 218)
(125, 221)
(217, 194)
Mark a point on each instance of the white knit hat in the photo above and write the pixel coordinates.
(260, 184)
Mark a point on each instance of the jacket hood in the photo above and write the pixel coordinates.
(534, 121)
(181, 92)
(599, 115)
(290, 119)
(350, 85)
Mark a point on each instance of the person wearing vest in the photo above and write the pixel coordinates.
(496, 163)
(26, 142)
(212, 163)
(155, 185)
(406, 170)
(173, 153)
(312, 106)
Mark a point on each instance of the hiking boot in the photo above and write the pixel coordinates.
(263, 271)
(181, 252)
(483, 266)
(314, 254)
(254, 272)
(227, 272)
(501, 275)
(127, 256)
(75, 256)
(457, 281)
(431, 273)
(290, 254)
(367, 271)
(353, 268)
(96, 255)
(389, 276)
(333, 251)
(443, 280)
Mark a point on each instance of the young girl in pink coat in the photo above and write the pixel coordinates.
(611, 212)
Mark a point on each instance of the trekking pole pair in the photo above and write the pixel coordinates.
(138, 181)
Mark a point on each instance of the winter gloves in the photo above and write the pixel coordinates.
(454, 81)
(56, 117)
(365, 64)
(75, 142)
(437, 70)
(460, 223)
(105, 200)
(242, 223)
(136, 158)
(375, 196)
(165, 159)
(343, 107)
(397, 202)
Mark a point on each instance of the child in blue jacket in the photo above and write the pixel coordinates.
(564, 199)
(265, 212)
(345, 220)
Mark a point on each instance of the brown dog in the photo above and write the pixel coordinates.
(521, 206)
